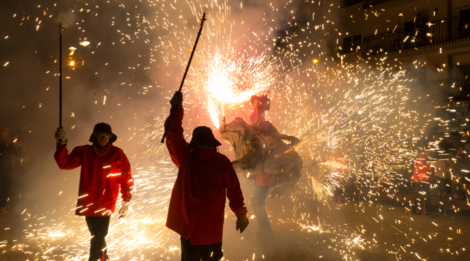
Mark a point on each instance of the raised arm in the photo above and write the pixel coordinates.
(175, 141)
(61, 155)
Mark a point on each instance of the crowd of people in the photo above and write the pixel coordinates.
(438, 175)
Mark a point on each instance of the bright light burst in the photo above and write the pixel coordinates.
(236, 80)
(230, 81)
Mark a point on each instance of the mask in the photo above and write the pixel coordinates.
(204, 155)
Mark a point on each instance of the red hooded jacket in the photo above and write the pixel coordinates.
(197, 203)
(422, 171)
(100, 177)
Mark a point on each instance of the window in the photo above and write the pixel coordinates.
(357, 40)
(464, 23)
(463, 71)
(423, 72)
(419, 74)
(464, 17)
(347, 44)
(350, 44)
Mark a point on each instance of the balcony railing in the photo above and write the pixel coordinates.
(444, 88)
(345, 3)
(368, 3)
(444, 92)
(429, 34)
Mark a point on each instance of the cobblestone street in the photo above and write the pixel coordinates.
(353, 231)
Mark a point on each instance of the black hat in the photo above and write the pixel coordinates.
(103, 127)
(203, 136)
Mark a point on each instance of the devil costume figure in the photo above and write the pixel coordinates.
(262, 154)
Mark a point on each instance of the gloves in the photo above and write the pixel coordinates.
(17, 141)
(124, 209)
(242, 223)
(60, 136)
(177, 99)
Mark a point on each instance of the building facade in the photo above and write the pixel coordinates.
(428, 38)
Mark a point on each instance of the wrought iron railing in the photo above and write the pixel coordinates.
(458, 88)
(379, 44)
(423, 35)
(368, 3)
(345, 3)
(353, 48)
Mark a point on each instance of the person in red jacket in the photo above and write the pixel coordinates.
(423, 176)
(104, 170)
(205, 178)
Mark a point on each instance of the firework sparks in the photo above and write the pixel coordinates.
(359, 110)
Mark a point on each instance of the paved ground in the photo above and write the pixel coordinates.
(352, 231)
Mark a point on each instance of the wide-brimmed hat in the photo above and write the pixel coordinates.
(203, 136)
(103, 127)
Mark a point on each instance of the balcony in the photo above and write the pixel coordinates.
(446, 88)
(345, 3)
(446, 92)
(369, 3)
(457, 88)
(366, 3)
(428, 35)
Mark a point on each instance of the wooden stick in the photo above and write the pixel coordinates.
(187, 69)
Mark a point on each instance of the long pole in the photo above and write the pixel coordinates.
(60, 74)
(187, 68)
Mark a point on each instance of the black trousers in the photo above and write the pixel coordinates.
(98, 227)
(190, 252)
(423, 199)
(5, 186)
(258, 201)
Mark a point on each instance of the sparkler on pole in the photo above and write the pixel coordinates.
(187, 67)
